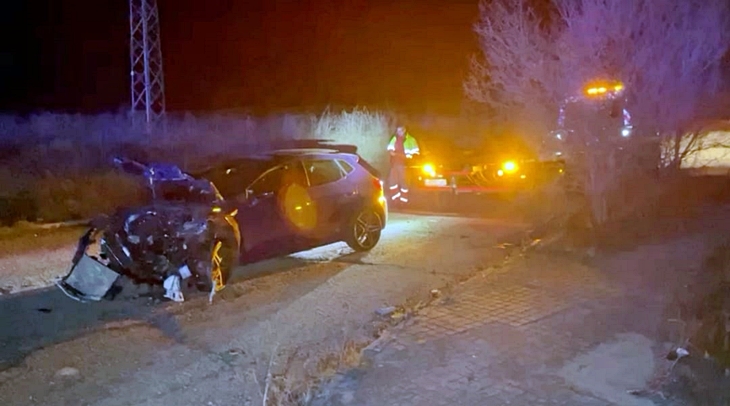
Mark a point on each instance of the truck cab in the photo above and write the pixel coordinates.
(597, 115)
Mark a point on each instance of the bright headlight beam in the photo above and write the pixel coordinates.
(429, 170)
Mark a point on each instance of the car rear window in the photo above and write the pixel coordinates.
(322, 171)
(345, 166)
(365, 164)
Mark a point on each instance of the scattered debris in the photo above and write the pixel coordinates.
(677, 353)
(435, 293)
(385, 311)
(172, 288)
(212, 292)
(397, 315)
(67, 372)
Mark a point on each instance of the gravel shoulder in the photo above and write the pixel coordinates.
(32, 258)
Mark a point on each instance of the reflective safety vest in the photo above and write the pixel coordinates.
(410, 145)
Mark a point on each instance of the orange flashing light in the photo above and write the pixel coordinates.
(603, 89)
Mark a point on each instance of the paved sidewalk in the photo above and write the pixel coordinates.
(544, 330)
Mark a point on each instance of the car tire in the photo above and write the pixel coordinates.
(363, 230)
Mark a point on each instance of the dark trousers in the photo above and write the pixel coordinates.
(397, 182)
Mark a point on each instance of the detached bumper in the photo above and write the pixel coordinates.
(88, 280)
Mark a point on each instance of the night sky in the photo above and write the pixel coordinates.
(260, 55)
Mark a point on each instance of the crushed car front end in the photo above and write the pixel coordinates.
(185, 238)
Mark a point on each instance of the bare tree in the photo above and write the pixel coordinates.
(667, 53)
(516, 74)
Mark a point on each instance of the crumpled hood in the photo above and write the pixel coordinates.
(167, 180)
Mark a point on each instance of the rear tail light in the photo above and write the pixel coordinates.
(379, 193)
(377, 183)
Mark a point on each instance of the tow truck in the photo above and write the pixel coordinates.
(597, 115)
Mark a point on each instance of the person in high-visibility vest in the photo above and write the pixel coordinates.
(402, 147)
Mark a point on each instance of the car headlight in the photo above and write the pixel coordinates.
(429, 170)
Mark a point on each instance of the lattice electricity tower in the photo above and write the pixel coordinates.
(148, 86)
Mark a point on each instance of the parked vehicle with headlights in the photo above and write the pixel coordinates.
(470, 171)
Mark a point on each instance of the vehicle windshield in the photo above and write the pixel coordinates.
(577, 114)
(232, 178)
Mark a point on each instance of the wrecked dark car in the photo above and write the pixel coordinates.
(184, 238)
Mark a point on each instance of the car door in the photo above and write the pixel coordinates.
(265, 217)
(329, 191)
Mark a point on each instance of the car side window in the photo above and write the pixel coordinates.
(345, 166)
(269, 182)
(294, 174)
(275, 179)
(322, 171)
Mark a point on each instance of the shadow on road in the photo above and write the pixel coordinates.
(266, 268)
(464, 205)
(36, 319)
(32, 320)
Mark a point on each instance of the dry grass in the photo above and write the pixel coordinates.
(299, 376)
(84, 196)
(61, 167)
(292, 378)
(369, 131)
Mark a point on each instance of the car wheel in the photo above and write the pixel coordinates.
(221, 263)
(364, 230)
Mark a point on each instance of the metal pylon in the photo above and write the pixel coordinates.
(148, 87)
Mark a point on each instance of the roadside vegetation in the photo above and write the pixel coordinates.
(56, 167)
(534, 56)
(672, 59)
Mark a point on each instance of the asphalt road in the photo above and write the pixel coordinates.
(54, 351)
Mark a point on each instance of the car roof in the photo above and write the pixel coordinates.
(282, 155)
(279, 156)
(299, 152)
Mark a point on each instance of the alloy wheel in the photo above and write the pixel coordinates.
(216, 269)
(367, 229)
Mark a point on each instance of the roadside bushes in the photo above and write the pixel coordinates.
(83, 196)
(698, 320)
(20, 207)
(56, 167)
